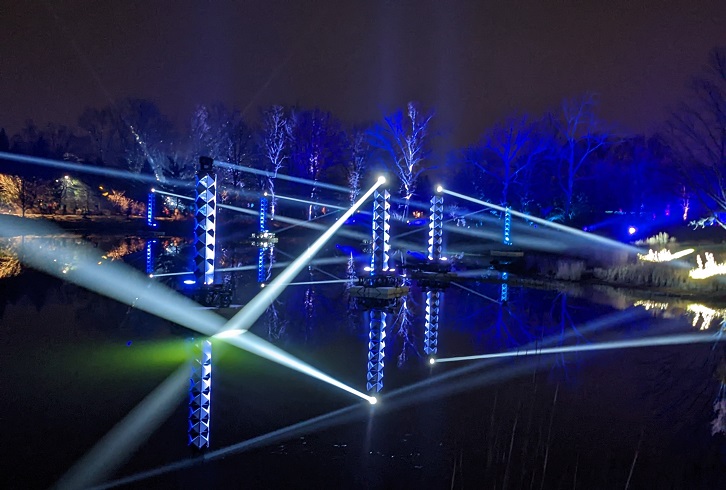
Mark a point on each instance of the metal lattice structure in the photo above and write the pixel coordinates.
(504, 295)
(151, 210)
(200, 390)
(205, 216)
(381, 231)
(431, 334)
(376, 350)
(150, 256)
(507, 226)
(436, 227)
(262, 252)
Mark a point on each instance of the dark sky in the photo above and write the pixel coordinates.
(475, 62)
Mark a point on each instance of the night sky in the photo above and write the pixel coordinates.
(473, 62)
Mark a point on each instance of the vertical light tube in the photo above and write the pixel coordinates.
(150, 210)
(205, 216)
(200, 391)
(376, 350)
(431, 333)
(381, 225)
(436, 228)
(507, 226)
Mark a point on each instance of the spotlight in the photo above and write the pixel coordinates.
(373, 400)
(189, 281)
(439, 188)
(153, 190)
(632, 230)
(262, 285)
(432, 361)
(264, 193)
(381, 180)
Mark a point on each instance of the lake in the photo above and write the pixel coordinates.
(75, 363)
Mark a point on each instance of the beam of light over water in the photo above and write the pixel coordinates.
(89, 169)
(683, 339)
(438, 386)
(567, 229)
(253, 267)
(474, 292)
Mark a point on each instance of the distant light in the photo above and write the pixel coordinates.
(264, 193)
(373, 400)
(439, 188)
(66, 177)
(128, 344)
(443, 258)
(189, 281)
(381, 179)
(432, 361)
(632, 230)
(153, 190)
(367, 268)
(262, 285)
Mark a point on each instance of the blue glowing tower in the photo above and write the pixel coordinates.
(150, 256)
(433, 295)
(376, 350)
(206, 206)
(381, 231)
(379, 263)
(507, 226)
(150, 209)
(261, 273)
(200, 390)
(504, 295)
(436, 228)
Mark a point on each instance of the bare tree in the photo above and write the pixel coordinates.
(404, 138)
(576, 137)
(276, 131)
(317, 145)
(696, 133)
(359, 154)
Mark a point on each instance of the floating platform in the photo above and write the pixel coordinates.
(380, 292)
(507, 253)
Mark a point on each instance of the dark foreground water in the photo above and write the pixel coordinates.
(74, 364)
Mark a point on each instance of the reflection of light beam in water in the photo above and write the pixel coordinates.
(88, 169)
(313, 283)
(422, 391)
(474, 292)
(664, 340)
(120, 442)
(348, 414)
(557, 226)
(324, 261)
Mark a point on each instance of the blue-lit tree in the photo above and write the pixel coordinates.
(275, 147)
(359, 148)
(404, 137)
(317, 144)
(577, 137)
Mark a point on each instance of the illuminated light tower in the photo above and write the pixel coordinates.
(150, 256)
(150, 209)
(431, 334)
(261, 276)
(200, 390)
(507, 226)
(381, 225)
(436, 227)
(376, 350)
(205, 216)
(433, 296)
(504, 294)
(381, 231)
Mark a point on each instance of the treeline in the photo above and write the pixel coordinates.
(560, 165)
